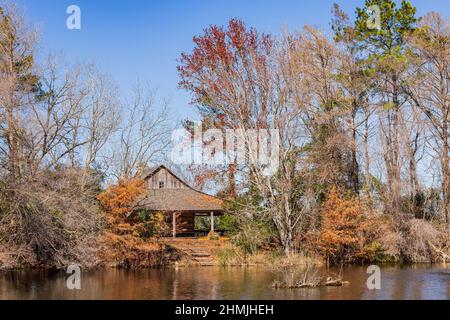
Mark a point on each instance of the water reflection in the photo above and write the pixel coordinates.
(398, 282)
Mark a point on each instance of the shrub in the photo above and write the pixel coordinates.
(342, 234)
(119, 201)
(374, 252)
(419, 237)
(253, 235)
(51, 220)
(157, 225)
(121, 204)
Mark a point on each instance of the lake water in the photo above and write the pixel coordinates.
(397, 282)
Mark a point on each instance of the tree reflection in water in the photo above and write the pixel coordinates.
(398, 282)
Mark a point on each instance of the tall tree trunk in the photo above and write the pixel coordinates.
(393, 153)
(354, 170)
(232, 181)
(367, 175)
(413, 180)
(446, 176)
(11, 141)
(11, 118)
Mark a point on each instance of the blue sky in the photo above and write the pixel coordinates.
(142, 39)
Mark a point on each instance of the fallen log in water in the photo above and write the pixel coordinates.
(284, 285)
(313, 283)
(335, 282)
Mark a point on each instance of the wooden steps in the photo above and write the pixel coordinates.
(200, 252)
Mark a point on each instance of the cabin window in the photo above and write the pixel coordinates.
(161, 184)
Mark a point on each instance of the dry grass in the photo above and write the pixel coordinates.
(230, 255)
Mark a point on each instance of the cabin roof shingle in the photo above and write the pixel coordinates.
(181, 200)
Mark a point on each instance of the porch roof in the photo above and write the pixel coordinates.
(185, 199)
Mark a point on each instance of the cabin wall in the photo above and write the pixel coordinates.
(169, 180)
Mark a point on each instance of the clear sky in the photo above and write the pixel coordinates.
(142, 39)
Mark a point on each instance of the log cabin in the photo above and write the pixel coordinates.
(181, 203)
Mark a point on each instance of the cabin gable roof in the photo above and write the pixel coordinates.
(147, 174)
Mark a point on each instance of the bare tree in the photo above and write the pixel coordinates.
(49, 125)
(73, 115)
(330, 113)
(101, 115)
(429, 88)
(143, 135)
(412, 136)
(17, 83)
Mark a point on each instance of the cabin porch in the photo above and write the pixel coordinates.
(183, 223)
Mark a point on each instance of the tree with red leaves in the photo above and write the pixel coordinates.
(237, 81)
(222, 58)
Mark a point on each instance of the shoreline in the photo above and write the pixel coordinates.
(186, 265)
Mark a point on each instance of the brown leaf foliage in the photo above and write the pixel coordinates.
(119, 201)
(346, 228)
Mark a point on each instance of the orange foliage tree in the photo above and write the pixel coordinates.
(119, 201)
(344, 225)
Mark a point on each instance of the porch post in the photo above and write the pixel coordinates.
(174, 224)
(212, 221)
